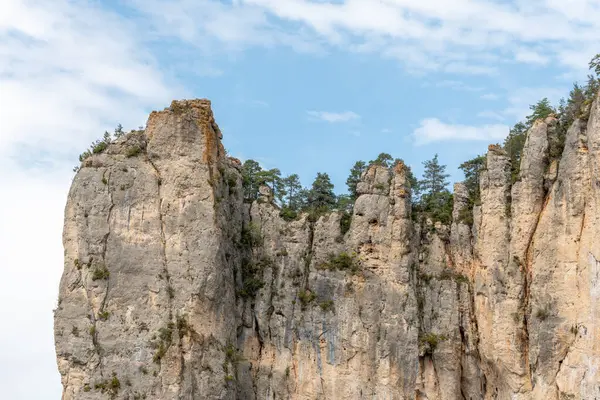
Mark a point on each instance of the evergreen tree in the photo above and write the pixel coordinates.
(540, 110)
(434, 177)
(321, 195)
(345, 203)
(472, 168)
(383, 159)
(272, 178)
(119, 131)
(591, 89)
(292, 187)
(354, 178)
(250, 179)
(595, 64)
(436, 201)
(513, 145)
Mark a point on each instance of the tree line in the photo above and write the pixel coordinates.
(430, 195)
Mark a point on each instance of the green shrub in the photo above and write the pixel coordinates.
(92, 330)
(133, 151)
(76, 263)
(288, 214)
(326, 305)
(251, 287)
(306, 297)
(100, 272)
(104, 315)
(251, 236)
(345, 222)
(431, 341)
(86, 388)
(342, 262)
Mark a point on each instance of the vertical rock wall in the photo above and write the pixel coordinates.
(174, 288)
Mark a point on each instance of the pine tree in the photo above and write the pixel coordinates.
(540, 110)
(250, 179)
(321, 195)
(434, 177)
(513, 145)
(595, 64)
(354, 178)
(472, 168)
(292, 187)
(436, 201)
(383, 159)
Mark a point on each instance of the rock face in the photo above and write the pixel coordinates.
(175, 288)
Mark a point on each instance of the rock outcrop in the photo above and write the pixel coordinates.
(175, 288)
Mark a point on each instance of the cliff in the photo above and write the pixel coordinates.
(174, 288)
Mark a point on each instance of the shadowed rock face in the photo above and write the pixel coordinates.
(174, 288)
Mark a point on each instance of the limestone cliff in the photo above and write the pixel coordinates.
(175, 288)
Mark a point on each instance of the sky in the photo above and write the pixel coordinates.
(305, 86)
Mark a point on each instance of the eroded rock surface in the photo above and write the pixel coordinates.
(175, 288)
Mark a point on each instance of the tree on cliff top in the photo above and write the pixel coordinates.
(354, 178)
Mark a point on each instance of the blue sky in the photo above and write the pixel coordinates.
(302, 85)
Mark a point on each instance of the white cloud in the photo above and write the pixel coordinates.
(68, 71)
(334, 117)
(520, 99)
(491, 115)
(433, 130)
(531, 57)
(453, 84)
(458, 37)
(489, 96)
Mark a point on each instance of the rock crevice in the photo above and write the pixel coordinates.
(175, 288)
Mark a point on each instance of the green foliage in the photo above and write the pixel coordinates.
(434, 177)
(272, 178)
(342, 262)
(540, 110)
(326, 305)
(513, 145)
(292, 189)
(354, 178)
(133, 151)
(472, 170)
(110, 386)
(436, 201)
(76, 263)
(86, 387)
(165, 338)
(306, 297)
(250, 179)
(103, 315)
(345, 222)
(321, 195)
(100, 272)
(345, 203)
(430, 341)
(383, 159)
(92, 330)
(252, 277)
(288, 214)
(595, 64)
(251, 236)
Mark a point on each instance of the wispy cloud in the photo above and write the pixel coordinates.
(458, 37)
(433, 130)
(453, 84)
(489, 96)
(491, 115)
(333, 117)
